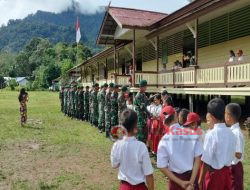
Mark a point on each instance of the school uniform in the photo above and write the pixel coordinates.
(219, 150)
(132, 158)
(177, 153)
(237, 167)
(156, 131)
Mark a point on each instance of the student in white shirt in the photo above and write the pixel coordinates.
(231, 57)
(232, 116)
(179, 152)
(131, 157)
(240, 56)
(219, 149)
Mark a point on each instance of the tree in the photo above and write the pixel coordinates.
(13, 84)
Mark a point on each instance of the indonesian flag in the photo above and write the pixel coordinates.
(78, 32)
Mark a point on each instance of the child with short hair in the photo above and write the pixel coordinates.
(183, 116)
(232, 116)
(219, 149)
(131, 157)
(176, 145)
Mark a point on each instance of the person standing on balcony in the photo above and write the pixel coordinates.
(114, 106)
(95, 105)
(240, 56)
(122, 100)
(131, 75)
(101, 105)
(107, 109)
(231, 57)
(141, 103)
(86, 104)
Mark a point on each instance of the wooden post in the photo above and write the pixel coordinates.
(196, 40)
(133, 80)
(106, 69)
(81, 75)
(191, 104)
(115, 57)
(98, 71)
(157, 60)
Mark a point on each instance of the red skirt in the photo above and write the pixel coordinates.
(185, 177)
(237, 176)
(126, 186)
(149, 129)
(218, 179)
(156, 136)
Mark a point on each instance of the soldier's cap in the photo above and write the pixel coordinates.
(87, 86)
(105, 85)
(124, 88)
(116, 86)
(143, 83)
(96, 85)
(102, 86)
(111, 85)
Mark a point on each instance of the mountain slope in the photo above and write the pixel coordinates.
(56, 27)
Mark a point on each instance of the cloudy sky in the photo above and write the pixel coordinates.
(15, 9)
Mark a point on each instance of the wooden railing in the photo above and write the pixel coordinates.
(185, 77)
(238, 73)
(122, 80)
(221, 76)
(213, 75)
(151, 77)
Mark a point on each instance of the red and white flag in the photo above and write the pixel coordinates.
(78, 32)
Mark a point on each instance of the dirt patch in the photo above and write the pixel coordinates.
(60, 166)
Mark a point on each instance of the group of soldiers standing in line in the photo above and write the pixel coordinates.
(102, 106)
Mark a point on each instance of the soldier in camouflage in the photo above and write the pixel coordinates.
(95, 105)
(114, 106)
(73, 101)
(65, 100)
(101, 105)
(76, 101)
(86, 104)
(141, 102)
(122, 101)
(91, 105)
(80, 103)
(107, 109)
(61, 97)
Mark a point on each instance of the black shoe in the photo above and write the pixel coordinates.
(107, 134)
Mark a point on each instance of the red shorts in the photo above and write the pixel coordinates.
(237, 176)
(174, 186)
(126, 186)
(218, 179)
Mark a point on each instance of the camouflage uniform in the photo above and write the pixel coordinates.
(114, 109)
(108, 111)
(90, 106)
(101, 102)
(141, 103)
(76, 102)
(80, 107)
(86, 105)
(72, 103)
(94, 108)
(122, 104)
(61, 97)
(65, 99)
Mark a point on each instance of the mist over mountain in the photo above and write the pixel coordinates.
(57, 27)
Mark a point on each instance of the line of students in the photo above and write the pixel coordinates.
(186, 155)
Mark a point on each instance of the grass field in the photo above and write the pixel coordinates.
(55, 152)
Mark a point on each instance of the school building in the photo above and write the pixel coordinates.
(185, 52)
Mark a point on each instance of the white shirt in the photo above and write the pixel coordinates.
(177, 152)
(155, 110)
(132, 158)
(231, 59)
(131, 106)
(240, 143)
(241, 58)
(219, 147)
